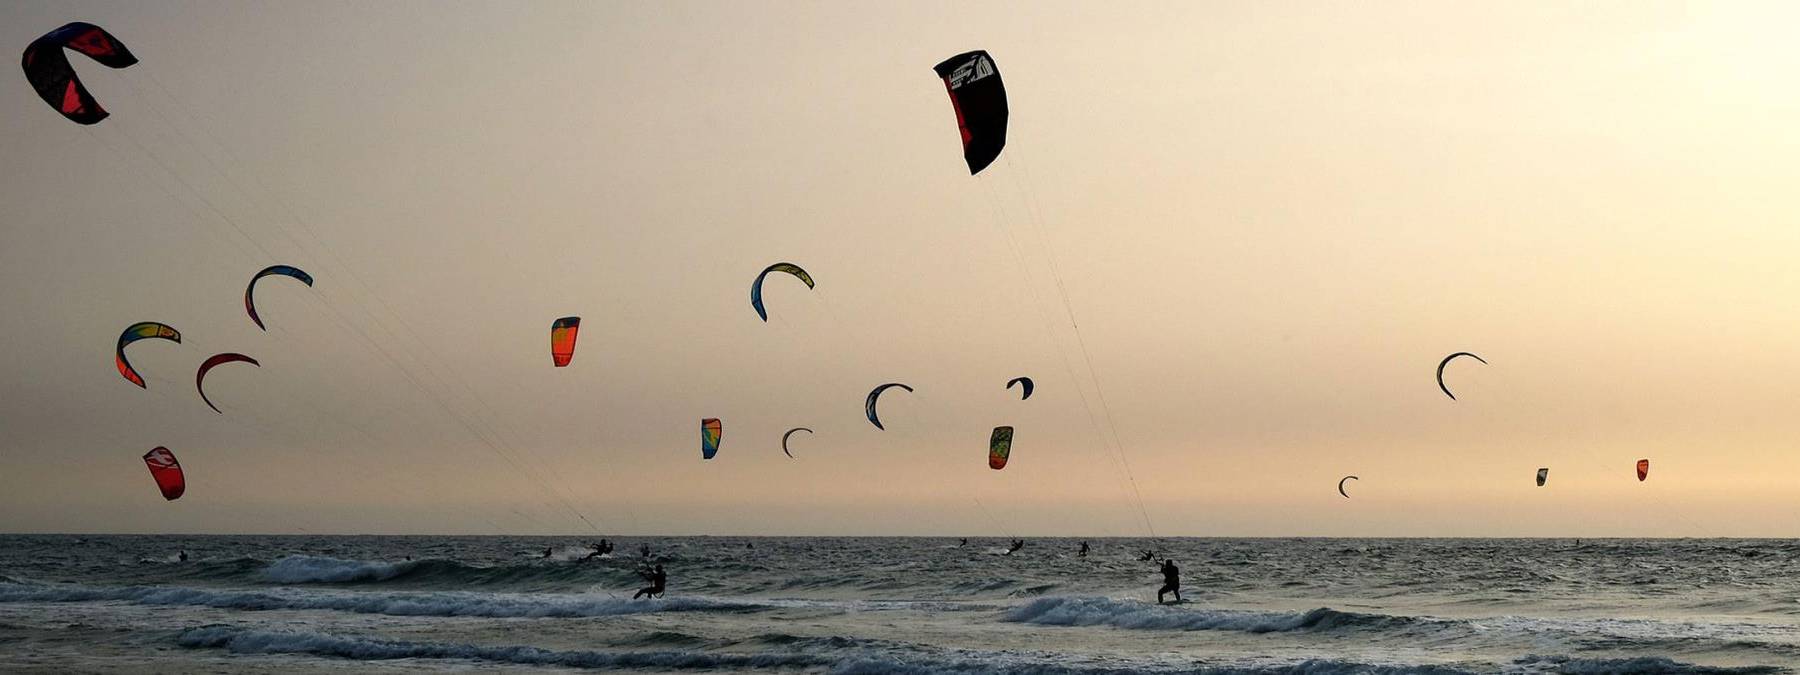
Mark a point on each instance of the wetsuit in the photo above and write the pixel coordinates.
(1083, 551)
(1171, 581)
(657, 580)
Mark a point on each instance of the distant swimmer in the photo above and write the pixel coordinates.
(749, 546)
(182, 556)
(1016, 545)
(657, 579)
(1147, 556)
(1084, 550)
(1171, 581)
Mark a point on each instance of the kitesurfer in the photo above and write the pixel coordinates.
(1171, 581)
(644, 550)
(1147, 556)
(657, 579)
(965, 542)
(1016, 545)
(182, 556)
(547, 551)
(600, 549)
(1084, 550)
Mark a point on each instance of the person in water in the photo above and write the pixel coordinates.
(1083, 552)
(1016, 545)
(599, 550)
(657, 579)
(182, 556)
(1171, 581)
(644, 550)
(965, 542)
(1147, 556)
(548, 551)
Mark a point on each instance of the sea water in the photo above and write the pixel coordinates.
(897, 605)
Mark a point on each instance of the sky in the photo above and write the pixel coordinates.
(1229, 241)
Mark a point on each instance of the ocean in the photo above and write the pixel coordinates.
(73, 603)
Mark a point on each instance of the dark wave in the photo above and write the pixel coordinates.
(437, 603)
(1088, 611)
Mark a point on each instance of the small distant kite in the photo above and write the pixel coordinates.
(1025, 386)
(784, 440)
(710, 432)
(1643, 469)
(1445, 362)
(140, 331)
(167, 472)
(1543, 475)
(1341, 485)
(217, 360)
(979, 98)
(562, 339)
(48, 69)
(281, 270)
(869, 405)
(756, 301)
(999, 447)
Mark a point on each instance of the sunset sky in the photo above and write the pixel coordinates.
(1269, 221)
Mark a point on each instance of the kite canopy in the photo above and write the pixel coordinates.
(1341, 485)
(1643, 468)
(47, 68)
(140, 331)
(1445, 362)
(1543, 475)
(1025, 386)
(979, 99)
(756, 286)
(999, 447)
(869, 405)
(217, 359)
(272, 270)
(562, 339)
(167, 472)
(710, 431)
(784, 439)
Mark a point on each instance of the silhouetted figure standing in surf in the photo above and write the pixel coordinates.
(1171, 581)
(1084, 550)
(1016, 545)
(657, 578)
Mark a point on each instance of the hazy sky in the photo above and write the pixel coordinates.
(1269, 219)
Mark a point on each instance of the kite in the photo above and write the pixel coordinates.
(1341, 485)
(166, 471)
(139, 331)
(1543, 475)
(979, 99)
(1025, 386)
(999, 447)
(562, 339)
(1445, 362)
(217, 359)
(282, 270)
(756, 286)
(1643, 468)
(710, 431)
(869, 405)
(784, 439)
(48, 69)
